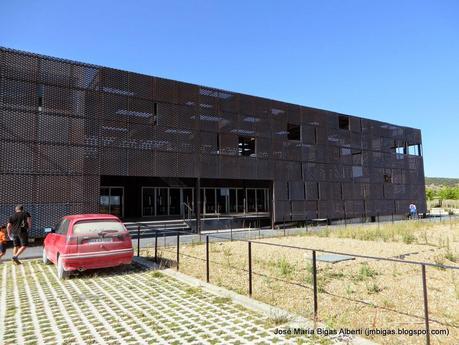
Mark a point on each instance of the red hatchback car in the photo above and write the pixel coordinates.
(87, 241)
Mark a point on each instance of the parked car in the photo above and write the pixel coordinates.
(87, 241)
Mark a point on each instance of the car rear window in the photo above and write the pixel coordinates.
(94, 227)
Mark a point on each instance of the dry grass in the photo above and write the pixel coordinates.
(355, 294)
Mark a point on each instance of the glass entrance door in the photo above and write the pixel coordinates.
(174, 201)
(187, 202)
(111, 201)
(222, 200)
(148, 201)
(162, 199)
(251, 203)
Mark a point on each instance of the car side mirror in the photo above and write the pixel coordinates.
(48, 230)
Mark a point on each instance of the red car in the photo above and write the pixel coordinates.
(87, 241)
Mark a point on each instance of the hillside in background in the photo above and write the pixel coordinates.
(442, 182)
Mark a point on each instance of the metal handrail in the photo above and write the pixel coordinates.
(189, 211)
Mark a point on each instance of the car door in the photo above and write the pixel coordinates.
(50, 243)
(60, 238)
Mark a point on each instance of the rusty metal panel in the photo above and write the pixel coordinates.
(296, 190)
(85, 120)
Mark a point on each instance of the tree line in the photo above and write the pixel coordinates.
(442, 193)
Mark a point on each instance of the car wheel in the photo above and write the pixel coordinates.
(45, 259)
(61, 272)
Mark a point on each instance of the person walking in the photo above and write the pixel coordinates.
(18, 225)
(413, 211)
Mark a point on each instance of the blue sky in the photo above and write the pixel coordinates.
(395, 61)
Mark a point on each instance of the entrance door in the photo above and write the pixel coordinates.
(148, 201)
(187, 206)
(111, 201)
(162, 199)
(222, 200)
(174, 201)
(251, 203)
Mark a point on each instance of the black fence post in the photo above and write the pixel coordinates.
(314, 281)
(426, 305)
(178, 250)
(250, 268)
(231, 229)
(138, 240)
(284, 224)
(378, 219)
(392, 217)
(156, 246)
(207, 260)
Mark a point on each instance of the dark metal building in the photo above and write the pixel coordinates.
(79, 138)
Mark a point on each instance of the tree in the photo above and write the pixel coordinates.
(430, 194)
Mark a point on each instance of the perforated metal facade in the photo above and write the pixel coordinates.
(64, 124)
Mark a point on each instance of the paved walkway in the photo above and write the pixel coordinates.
(121, 306)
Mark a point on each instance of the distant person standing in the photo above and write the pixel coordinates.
(413, 211)
(18, 225)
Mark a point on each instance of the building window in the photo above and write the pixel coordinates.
(357, 171)
(294, 132)
(414, 150)
(40, 96)
(344, 122)
(218, 144)
(400, 150)
(246, 146)
(155, 114)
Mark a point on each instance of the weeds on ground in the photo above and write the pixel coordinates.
(366, 272)
(373, 288)
(277, 318)
(221, 300)
(455, 284)
(439, 260)
(285, 268)
(193, 290)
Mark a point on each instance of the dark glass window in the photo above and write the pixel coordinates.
(63, 227)
(344, 122)
(246, 146)
(40, 96)
(294, 132)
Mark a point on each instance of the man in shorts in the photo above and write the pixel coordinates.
(18, 225)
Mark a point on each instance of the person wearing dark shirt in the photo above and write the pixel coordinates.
(18, 225)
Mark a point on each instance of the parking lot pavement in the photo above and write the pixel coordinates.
(127, 305)
(30, 253)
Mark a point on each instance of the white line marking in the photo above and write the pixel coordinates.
(3, 303)
(47, 307)
(63, 310)
(165, 300)
(90, 327)
(98, 316)
(120, 306)
(17, 304)
(113, 314)
(33, 309)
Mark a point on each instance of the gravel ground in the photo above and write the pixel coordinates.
(356, 294)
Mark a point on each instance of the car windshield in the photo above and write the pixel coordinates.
(94, 227)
